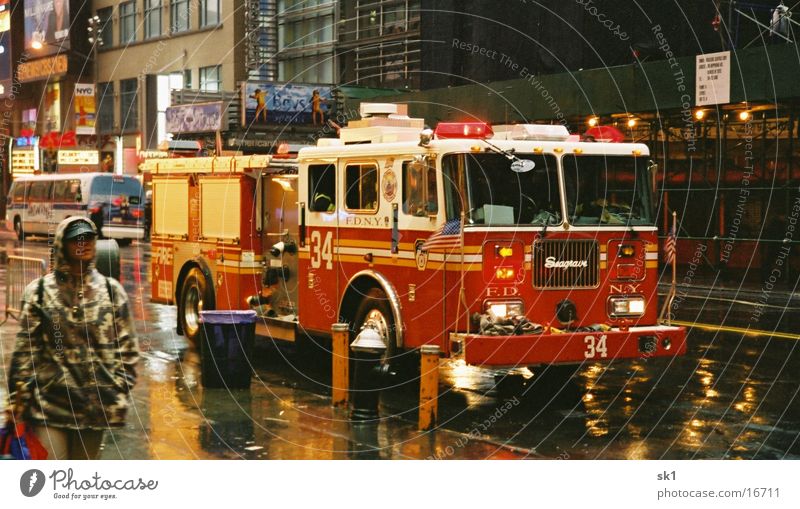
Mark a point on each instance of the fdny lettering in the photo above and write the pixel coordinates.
(365, 221)
(506, 291)
(626, 288)
(551, 263)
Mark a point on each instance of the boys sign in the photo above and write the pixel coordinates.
(285, 103)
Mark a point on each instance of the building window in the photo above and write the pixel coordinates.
(187, 78)
(211, 79)
(361, 187)
(129, 104)
(209, 13)
(127, 22)
(309, 69)
(106, 26)
(305, 32)
(105, 107)
(152, 18)
(179, 10)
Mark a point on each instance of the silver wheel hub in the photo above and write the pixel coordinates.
(192, 309)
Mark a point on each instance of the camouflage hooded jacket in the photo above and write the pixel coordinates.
(76, 350)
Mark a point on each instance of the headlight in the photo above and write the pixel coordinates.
(626, 306)
(504, 309)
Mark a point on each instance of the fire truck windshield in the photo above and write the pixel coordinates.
(607, 190)
(495, 195)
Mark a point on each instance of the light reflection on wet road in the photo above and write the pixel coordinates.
(730, 397)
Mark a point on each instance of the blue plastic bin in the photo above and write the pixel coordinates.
(226, 348)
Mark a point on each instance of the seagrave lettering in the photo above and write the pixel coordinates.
(551, 263)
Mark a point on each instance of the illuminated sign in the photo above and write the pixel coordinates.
(23, 162)
(42, 69)
(78, 157)
(285, 103)
(26, 141)
(85, 111)
(46, 26)
(5, 49)
(194, 118)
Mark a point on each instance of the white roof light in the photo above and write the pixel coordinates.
(539, 132)
(382, 109)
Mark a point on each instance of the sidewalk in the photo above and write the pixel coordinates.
(749, 290)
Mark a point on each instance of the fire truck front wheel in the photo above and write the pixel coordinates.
(194, 294)
(376, 312)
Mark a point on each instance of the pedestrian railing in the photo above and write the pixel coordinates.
(21, 271)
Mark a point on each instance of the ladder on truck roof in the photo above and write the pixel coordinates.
(218, 165)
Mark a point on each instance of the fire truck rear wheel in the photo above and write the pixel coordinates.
(194, 294)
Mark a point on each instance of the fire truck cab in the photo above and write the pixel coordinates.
(507, 246)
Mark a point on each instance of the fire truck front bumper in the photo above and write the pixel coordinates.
(573, 347)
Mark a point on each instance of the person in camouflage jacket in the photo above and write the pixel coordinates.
(76, 351)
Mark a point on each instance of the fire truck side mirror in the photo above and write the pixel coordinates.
(652, 169)
(425, 137)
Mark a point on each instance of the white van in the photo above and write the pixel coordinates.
(37, 203)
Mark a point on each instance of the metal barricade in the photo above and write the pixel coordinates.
(19, 274)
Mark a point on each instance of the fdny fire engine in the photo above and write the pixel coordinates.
(504, 246)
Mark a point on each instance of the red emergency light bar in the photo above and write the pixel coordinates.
(448, 130)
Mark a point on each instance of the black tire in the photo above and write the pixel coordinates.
(18, 228)
(195, 296)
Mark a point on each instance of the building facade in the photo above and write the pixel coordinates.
(194, 44)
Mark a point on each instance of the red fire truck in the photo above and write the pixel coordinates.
(507, 246)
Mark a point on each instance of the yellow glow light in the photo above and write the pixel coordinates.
(632, 123)
(505, 252)
(744, 115)
(700, 114)
(505, 273)
(593, 121)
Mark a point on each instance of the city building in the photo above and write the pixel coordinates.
(150, 47)
(307, 34)
(379, 43)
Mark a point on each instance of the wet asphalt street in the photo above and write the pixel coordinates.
(733, 395)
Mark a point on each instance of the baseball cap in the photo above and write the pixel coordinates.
(78, 228)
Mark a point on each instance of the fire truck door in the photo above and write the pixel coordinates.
(319, 286)
(280, 242)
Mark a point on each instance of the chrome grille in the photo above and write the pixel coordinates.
(566, 268)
